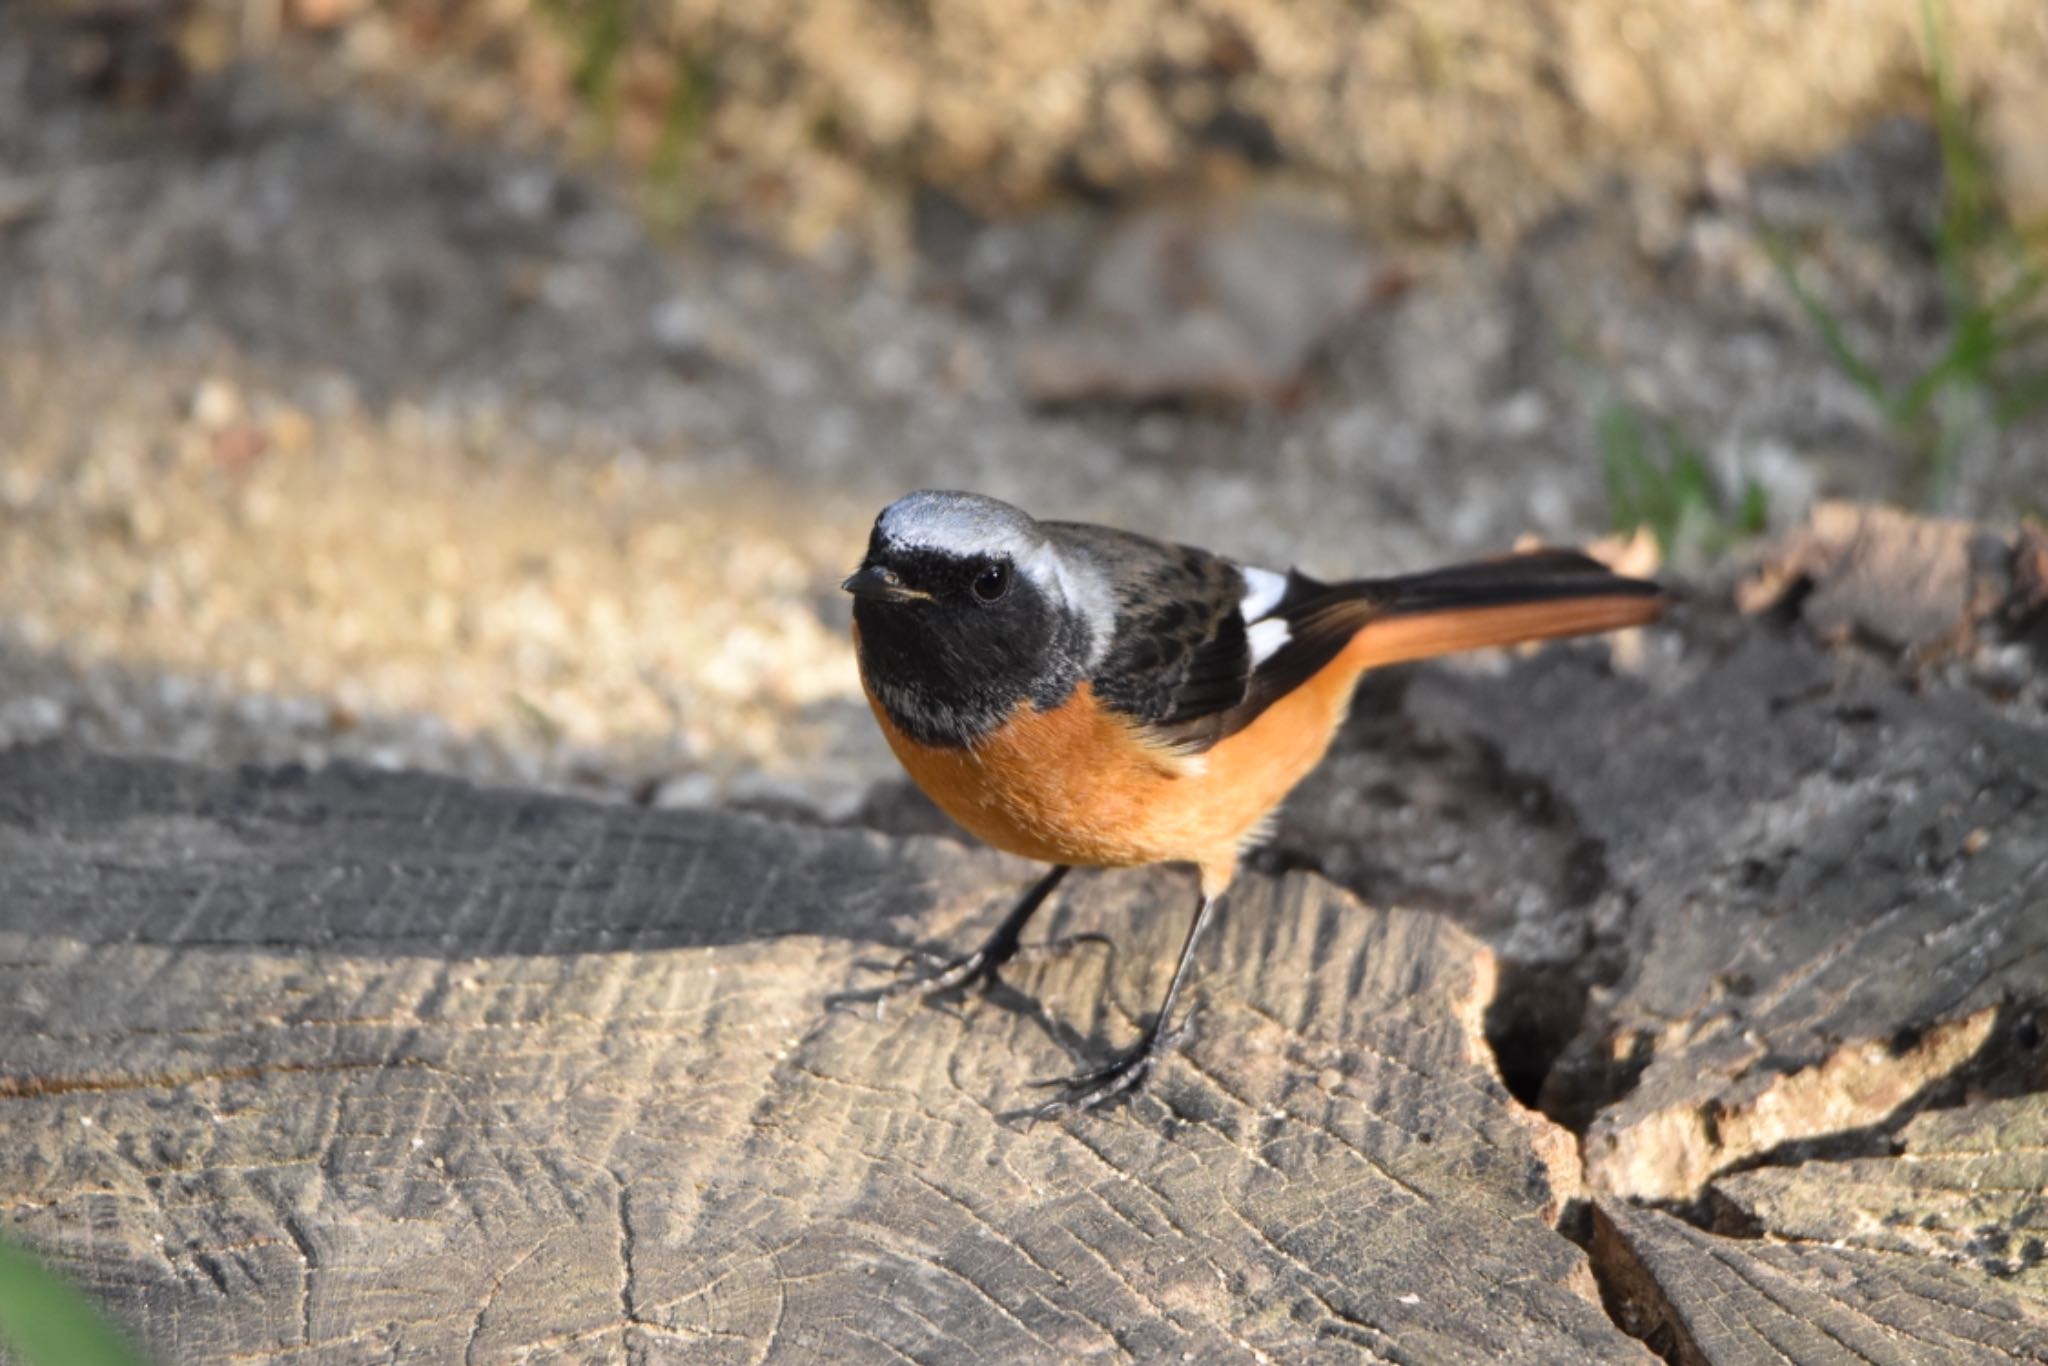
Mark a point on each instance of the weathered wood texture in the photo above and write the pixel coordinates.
(358, 1067)
(355, 1067)
(1967, 1186)
(1799, 888)
(1702, 1299)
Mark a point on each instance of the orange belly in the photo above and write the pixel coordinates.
(1079, 785)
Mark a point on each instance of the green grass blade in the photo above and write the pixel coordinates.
(1971, 350)
(1825, 322)
(1754, 517)
(675, 151)
(1967, 198)
(1621, 463)
(2021, 399)
(2022, 292)
(46, 1322)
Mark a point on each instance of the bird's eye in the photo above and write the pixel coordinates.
(993, 581)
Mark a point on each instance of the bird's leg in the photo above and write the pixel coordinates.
(1128, 1069)
(981, 966)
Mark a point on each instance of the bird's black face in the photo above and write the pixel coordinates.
(952, 641)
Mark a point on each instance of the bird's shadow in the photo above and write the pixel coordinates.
(908, 987)
(356, 861)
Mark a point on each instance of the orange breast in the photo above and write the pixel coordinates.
(1079, 785)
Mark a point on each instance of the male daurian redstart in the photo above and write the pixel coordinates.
(1090, 697)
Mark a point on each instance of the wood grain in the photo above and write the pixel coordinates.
(358, 1067)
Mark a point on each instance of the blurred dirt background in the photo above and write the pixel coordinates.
(501, 388)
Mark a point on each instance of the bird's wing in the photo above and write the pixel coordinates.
(1182, 654)
(1202, 646)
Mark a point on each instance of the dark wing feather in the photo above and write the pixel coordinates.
(1179, 659)
(1181, 664)
(1322, 619)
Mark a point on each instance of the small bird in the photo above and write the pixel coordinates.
(1090, 697)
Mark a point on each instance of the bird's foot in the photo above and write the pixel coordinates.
(1121, 1075)
(931, 974)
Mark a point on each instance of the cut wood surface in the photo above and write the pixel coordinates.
(357, 1067)
(1801, 887)
(1702, 1299)
(1967, 1186)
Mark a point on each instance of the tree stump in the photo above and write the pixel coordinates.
(353, 1066)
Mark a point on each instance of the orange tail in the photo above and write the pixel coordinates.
(1393, 640)
(1506, 601)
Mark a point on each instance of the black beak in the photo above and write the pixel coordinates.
(877, 584)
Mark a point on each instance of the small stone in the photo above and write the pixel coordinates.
(687, 790)
(215, 404)
(678, 327)
(30, 718)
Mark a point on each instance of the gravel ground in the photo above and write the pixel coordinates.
(327, 433)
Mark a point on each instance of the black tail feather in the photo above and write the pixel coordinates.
(1533, 576)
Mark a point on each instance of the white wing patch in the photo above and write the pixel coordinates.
(1263, 590)
(1265, 637)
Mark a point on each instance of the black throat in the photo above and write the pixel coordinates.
(948, 673)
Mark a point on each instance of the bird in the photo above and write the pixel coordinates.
(1086, 696)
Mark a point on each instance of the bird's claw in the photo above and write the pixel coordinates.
(977, 969)
(947, 975)
(1121, 1074)
(941, 976)
(1086, 1090)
